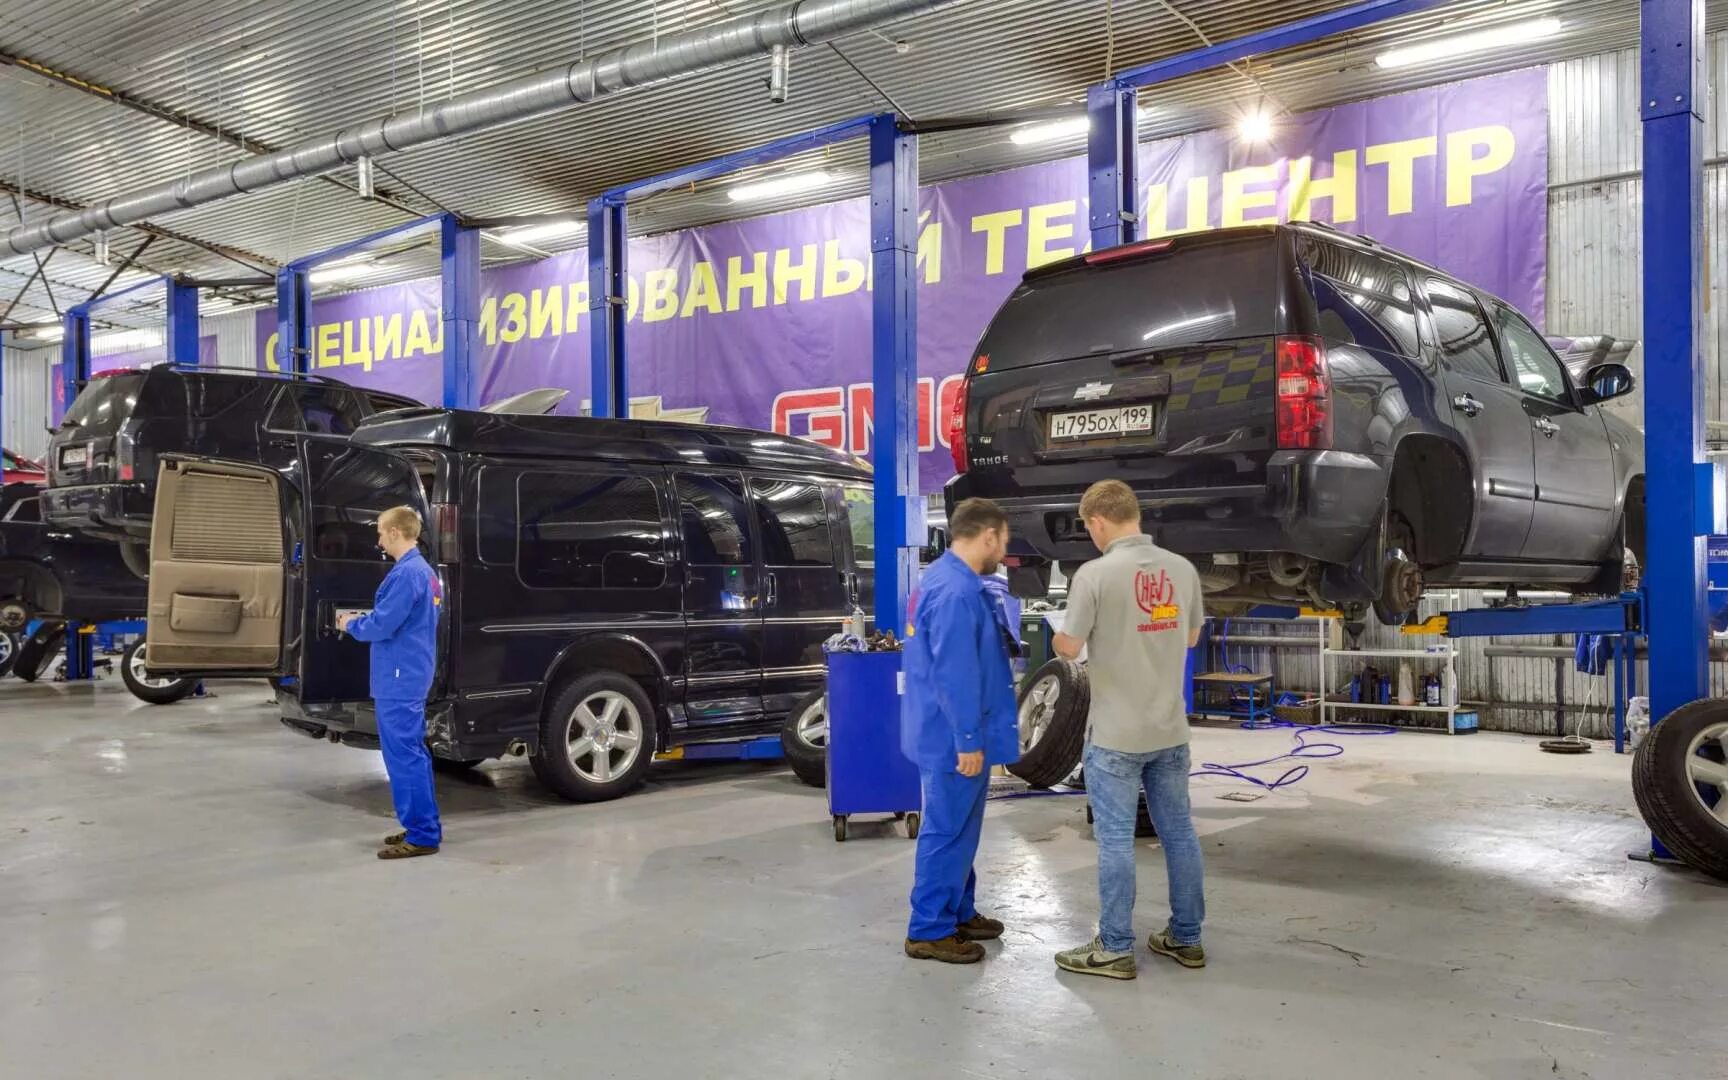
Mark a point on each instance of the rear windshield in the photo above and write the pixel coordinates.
(1212, 291)
(104, 404)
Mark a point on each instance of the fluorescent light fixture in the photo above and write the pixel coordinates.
(337, 272)
(1498, 38)
(1256, 127)
(48, 333)
(1066, 128)
(127, 339)
(551, 230)
(790, 184)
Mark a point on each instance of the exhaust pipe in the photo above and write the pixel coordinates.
(517, 749)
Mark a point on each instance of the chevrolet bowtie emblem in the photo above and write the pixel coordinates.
(1092, 391)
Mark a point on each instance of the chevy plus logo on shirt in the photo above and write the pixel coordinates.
(1155, 594)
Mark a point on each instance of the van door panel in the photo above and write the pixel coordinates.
(722, 600)
(805, 595)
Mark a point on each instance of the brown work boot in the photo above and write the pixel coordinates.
(980, 927)
(952, 949)
(396, 838)
(405, 850)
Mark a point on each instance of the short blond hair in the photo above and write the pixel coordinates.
(403, 519)
(1111, 500)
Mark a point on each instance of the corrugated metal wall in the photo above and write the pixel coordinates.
(236, 344)
(26, 392)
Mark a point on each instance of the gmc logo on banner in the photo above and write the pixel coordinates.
(844, 417)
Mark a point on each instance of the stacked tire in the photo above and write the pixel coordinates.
(1052, 714)
(40, 648)
(1680, 780)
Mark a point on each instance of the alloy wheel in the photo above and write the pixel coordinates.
(606, 732)
(812, 726)
(1037, 710)
(1707, 768)
(141, 674)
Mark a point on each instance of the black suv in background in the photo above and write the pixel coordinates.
(611, 588)
(102, 458)
(1309, 416)
(46, 572)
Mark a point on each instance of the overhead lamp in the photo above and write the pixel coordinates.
(1499, 37)
(48, 333)
(1066, 128)
(1255, 127)
(550, 230)
(128, 339)
(337, 272)
(790, 184)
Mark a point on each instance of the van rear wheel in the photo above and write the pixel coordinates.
(596, 738)
(156, 689)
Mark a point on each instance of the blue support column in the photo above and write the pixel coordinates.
(608, 295)
(181, 302)
(75, 352)
(894, 366)
(1677, 498)
(293, 321)
(459, 251)
(2, 406)
(80, 652)
(1112, 166)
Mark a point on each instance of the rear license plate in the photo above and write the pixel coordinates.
(74, 457)
(1101, 423)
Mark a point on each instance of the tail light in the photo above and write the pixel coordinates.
(126, 453)
(1128, 251)
(1304, 417)
(957, 427)
(444, 519)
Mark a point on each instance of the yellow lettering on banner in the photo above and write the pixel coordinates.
(546, 312)
(387, 334)
(577, 293)
(270, 363)
(803, 272)
(488, 323)
(1238, 200)
(840, 275)
(420, 333)
(662, 295)
(1400, 161)
(632, 299)
(1042, 228)
(329, 344)
(1463, 166)
(1199, 204)
(756, 280)
(357, 348)
(438, 332)
(704, 291)
(515, 326)
(995, 229)
(930, 249)
(1340, 189)
(1158, 208)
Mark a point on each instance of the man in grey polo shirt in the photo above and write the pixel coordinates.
(1136, 611)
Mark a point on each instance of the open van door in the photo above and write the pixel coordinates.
(218, 570)
(347, 487)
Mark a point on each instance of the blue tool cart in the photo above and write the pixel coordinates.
(867, 773)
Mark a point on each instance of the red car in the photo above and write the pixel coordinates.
(21, 470)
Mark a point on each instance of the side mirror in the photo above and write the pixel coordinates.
(1604, 382)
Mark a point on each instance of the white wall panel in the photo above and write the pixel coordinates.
(26, 394)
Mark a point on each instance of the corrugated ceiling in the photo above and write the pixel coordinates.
(272, 74)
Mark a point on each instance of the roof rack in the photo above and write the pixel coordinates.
(239, 369)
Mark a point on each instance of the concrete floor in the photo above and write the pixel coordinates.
(189, 891)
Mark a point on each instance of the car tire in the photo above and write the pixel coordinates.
(804, 738)
(156, 690)
(136, 555)
(8, 652)
(1052, 717)
(36, 655)
(14, 615)
(579, 707)
(1681, 763)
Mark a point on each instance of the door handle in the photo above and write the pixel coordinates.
(1546, 426)
(768, 586)
(1466, 404)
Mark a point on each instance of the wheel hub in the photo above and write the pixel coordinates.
(1401, 588)
(1036, 711)
(1707, 768)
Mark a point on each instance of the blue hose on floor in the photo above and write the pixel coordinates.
(1302, 749)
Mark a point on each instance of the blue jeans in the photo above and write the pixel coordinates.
(1113, 783)
(944, 883)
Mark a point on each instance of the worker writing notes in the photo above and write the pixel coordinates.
(403, 629)
(957, 719)
(1136, 611)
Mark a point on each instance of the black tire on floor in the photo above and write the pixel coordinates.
(456, 766)
(1052, 716)
(156, 691)
(8, 652)
(552, 761)
(36, 655)
(1668, 794)
(805, 751)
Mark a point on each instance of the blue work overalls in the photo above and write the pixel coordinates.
(403, 629)
(959, 699)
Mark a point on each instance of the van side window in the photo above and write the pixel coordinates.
(319, 409)
(715, 522)
(861, 516)
(29, 510)
(793, 523)
(1362, 298)
(589, 531)
(1463, 332)
(1533, 363)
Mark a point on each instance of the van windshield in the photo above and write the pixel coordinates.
(1215, 290)
(104, 404)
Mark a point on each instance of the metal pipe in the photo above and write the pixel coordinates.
(1553, 652)
(779, 63)
(1304, 641)
(795, 24)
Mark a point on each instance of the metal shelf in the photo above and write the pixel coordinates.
(1391, 708)
(1370, 653)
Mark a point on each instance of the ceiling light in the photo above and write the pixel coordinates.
(550, 230)
(1256, 127)
(790, 184)
(48, 333)
(128, 339)
(326, 275)
(1065, 128)
(1498, 38)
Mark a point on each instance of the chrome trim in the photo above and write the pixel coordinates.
(487, 694)
(524, 628)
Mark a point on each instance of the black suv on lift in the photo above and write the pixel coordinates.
(612, 588)
(102, 459)
(1309, 416)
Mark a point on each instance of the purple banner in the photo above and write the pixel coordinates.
(766, 322)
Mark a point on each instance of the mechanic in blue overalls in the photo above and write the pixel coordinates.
(957, 719)
(403, 629)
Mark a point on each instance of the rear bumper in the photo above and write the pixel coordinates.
(1321, 504)
(99, 508)
(355, 723)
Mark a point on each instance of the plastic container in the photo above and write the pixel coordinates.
(1431, 690)
(1385, 697)
(1406, 683)
(1449, 688)
(1637, 720)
